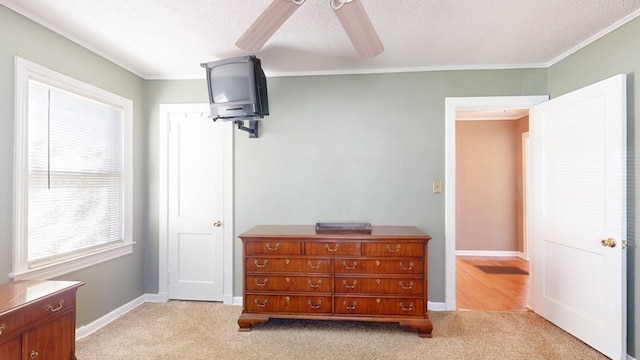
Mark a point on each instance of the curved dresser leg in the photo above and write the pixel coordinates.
(246, 320)
(423, 326)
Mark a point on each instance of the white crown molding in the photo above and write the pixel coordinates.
(595, 37)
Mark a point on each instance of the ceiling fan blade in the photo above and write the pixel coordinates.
(267, 24)
(358, 26)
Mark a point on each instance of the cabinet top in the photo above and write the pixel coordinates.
(17, 293)
(307, 231)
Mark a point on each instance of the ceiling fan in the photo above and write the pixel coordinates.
(351, 13)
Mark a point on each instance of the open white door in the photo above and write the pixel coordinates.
(577, 213)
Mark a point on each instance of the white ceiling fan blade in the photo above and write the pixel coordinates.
(358, 26)
(267, 24)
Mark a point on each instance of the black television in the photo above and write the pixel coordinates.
(237, 89)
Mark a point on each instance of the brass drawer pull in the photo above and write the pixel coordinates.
(316, 266)
(334, 249)
(353, 285)
(261, 305)
(2, 326)
(273, 248)
(316, 306)
(407, 287)
(353, 266)
(352, 307)
(411, 265)
(405, 308)
(314, 285)
(263, 284)
(260, 265)
(34, 355)
(393, 250)
(52, 309)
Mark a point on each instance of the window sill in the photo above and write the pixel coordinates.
(74, 264)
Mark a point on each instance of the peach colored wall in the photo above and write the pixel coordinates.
(488, 185)
(521, 126)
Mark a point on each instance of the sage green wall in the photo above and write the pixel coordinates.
(616, 53)
(344, 148)
(108, 285)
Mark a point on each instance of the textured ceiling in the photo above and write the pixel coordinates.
(168, 39)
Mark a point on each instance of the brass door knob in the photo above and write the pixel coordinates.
(217, 223)
(610, 242)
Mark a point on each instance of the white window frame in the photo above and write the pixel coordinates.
(24, 71)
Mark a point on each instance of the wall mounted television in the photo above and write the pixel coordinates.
(237, 90)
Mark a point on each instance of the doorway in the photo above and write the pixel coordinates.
(491, 266)
(451, 105)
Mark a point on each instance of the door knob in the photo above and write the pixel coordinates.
(219, 223)
(610, 242)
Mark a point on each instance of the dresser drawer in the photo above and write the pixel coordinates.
(393, 249)
(411, 286)
(38, 311)
(379, 266)
(288, 304)
(379, 306)
(301, 265)
(275, 247)
(332, 248)
(288, 283)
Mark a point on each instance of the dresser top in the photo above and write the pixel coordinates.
(18, 293)
(294, 231)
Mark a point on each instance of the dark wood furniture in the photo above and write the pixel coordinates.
(38, 320)
(293, 272)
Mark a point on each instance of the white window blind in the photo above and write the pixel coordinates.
(75, 173)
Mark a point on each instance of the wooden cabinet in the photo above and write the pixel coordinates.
(293, 272)
(37, 320)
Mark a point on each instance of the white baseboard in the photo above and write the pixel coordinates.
(162, 297)
(228, 299)
(519, 254)
(436, 306)
(96, 325)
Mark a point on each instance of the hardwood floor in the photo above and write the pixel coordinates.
(477, 290)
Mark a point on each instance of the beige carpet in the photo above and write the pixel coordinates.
(201, 330)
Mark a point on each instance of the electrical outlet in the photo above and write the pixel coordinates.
(437, 186)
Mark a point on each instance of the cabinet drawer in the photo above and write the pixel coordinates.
(379, 306)
(288, 304)
(394, 249)
(352, 285)
(275, 247)
(306, 265)
(332, 248)
(287, 283)
(54, 339)
(379, 266)
(40, 310)
(11, 349)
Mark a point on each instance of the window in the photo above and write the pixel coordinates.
(72, 186)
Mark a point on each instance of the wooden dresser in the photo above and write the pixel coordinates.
(293, 272)
(38, 320)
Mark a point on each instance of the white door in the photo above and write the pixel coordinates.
(195, 208)
(578, 203)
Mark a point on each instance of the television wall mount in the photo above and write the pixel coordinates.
(252, 129)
